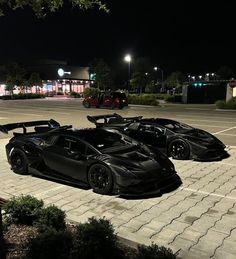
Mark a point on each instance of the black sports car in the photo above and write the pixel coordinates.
(176, 139)
(105, 160)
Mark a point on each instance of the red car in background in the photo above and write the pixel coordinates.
(106, 99)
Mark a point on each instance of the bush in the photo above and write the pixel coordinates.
(173, 98)
(221, 104)
(155, 252)
(22, 210)
(91, 91)
(95, 239)
(231, 104)
(75, 95)
(50, 244)
(51, 217)
(143, 99)
(22, 96)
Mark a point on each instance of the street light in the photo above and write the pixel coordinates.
(128, 59)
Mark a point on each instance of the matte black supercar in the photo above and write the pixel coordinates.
(105, 160)
(176, 139)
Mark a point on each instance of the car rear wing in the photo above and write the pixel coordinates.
(51, 124)
(111, 118)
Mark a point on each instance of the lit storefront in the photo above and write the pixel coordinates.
(76, 79)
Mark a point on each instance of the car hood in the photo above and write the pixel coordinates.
(140, 164)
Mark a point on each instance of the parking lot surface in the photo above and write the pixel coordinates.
(198, 220)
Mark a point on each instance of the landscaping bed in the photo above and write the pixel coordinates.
(32, 231)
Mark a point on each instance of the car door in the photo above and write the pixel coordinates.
(150, 134)
(108, 98)
(67, 157)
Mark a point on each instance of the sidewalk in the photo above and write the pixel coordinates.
(198, 220)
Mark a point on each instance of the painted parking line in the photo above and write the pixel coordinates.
(205, 125)
(209, 193)
(218, 132)
(200, 109)
(3, 118)
(207, 119)
(226, 134)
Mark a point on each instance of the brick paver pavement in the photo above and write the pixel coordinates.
(198, 220)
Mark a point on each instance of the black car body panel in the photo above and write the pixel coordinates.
(168, 135)
(66, 154)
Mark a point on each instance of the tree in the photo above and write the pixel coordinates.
(35, 80)
(41, 7)
(14, 77)
(141, 76)
(139, 81)
(103, 74)
(175, 80)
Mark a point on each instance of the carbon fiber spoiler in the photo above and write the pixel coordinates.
(11, 126)
(112, 118)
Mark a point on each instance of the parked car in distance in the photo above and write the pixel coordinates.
(115, 99)
(104, 160)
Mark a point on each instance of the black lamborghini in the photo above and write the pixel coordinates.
(104, 160)
(176, 139)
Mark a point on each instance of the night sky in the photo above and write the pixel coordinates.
(190, 36)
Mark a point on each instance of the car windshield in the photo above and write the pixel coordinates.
(179, 127)
(106, 141)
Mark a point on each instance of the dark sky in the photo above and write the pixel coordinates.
(191, 36)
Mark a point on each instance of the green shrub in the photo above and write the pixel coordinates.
(51, 217)
(95, 239)
(22, 210)
(75, 95)
(231, 104)
(60, 93)
(221, 104)
(155, 252)
(143, 99)
(22, 96)
(91, 91)
(173, 98)
(51, 244)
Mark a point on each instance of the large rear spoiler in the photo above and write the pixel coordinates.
(112, 118)
(11, 126)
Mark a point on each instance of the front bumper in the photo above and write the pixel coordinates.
(149, 187)
(210, 155)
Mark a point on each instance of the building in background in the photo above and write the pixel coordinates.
(74, 78)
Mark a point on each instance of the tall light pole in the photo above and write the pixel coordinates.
(162, 76)
(128, 59)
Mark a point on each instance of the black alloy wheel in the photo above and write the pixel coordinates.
(19, 161)
(100, 179)
(179, 149)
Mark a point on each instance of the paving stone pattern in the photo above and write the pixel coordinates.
(198, 220)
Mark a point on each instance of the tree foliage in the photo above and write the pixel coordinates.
(175, 80)
(42, 7)
(103, 73)
(141, 76)
(14, 76)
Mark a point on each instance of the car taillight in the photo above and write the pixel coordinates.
(117, 100)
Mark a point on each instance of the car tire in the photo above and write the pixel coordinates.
(100, 179)
(19, 161)
(179, 149)
(121, 106)
(87, 105)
